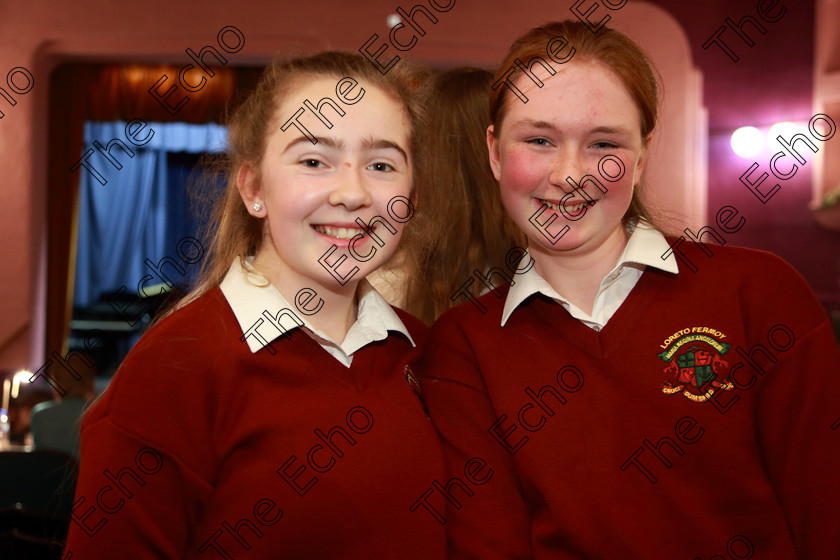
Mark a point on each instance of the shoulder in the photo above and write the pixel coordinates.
(174, 360)
(418, 330)
(480, 311)
(760, 283)
(208, 314)
(194, 335)
(694, 256)
(743, 265)
(200, 331)
(477, 318)
(748, 258)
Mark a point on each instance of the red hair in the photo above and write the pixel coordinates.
(609, 47)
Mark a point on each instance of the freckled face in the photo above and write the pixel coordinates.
(313, 193)
(580, 115)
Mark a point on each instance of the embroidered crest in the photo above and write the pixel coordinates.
(694, 363)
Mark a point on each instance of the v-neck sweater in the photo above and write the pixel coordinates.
(702, 418)
(200, 448)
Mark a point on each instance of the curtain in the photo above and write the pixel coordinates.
(142, 210)
(83, 92)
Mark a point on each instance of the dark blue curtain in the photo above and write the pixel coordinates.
(143, 210)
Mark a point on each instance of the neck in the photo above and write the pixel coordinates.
(338, 313)
(340, 305)
(577, 274)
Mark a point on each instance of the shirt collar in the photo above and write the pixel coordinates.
(644, 248)
(254, 301)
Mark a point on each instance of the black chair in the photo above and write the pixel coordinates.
(36, 498)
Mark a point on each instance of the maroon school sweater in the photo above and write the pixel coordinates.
(201, 449)
(703, 420)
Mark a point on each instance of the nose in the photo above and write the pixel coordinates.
(566, 163)
(350, 190)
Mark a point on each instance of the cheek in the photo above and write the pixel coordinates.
(521, 173)
(294, 196)
(621, 185)
(622, 195)
(405, 187)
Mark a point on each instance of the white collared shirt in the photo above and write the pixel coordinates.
(644, 248)
(258, 306)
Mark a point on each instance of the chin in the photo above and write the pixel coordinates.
(571, 240)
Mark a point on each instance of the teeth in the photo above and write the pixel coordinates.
(338, 232)
(575, 209)
(569, 209)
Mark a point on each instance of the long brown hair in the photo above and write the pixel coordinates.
(609, 47)
(460, 224)
(231, 232)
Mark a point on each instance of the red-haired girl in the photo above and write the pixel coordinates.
(613, 402)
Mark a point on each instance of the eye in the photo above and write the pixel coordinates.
(313, 163)
(379, 166)
(537, 141)
(604, 145)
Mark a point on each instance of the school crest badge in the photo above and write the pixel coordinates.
(695, 366)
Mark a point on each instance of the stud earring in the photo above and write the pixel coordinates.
(257, 206)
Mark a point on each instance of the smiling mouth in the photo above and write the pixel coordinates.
(345, 233)
(568, 209)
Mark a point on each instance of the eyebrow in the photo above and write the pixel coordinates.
(329, 142)
(535, 124)
(596, 130)
(612, 130)
(382, 144)
(367, 144)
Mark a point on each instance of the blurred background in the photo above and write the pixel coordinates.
(77, 76)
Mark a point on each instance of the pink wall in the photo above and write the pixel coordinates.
(772, 81)
(773, 75)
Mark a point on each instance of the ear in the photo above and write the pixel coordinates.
(249, 189)
(493, 152)
(413, 197)
(640, 165)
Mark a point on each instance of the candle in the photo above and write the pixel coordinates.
(7, 386)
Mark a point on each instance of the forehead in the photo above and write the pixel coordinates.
(580, 93)
(375, 112)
